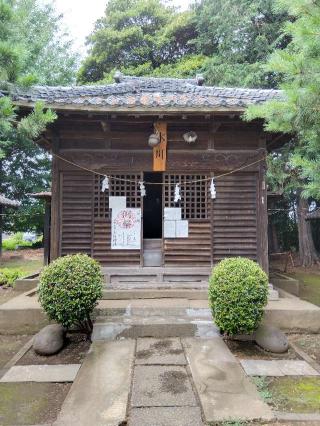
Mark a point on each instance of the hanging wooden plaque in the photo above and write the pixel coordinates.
(160, 151)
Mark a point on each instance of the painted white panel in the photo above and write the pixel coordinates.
(172, 213)
(182, 229)
(169, 229)
(117, 202)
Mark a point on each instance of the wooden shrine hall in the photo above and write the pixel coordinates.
(151, 172)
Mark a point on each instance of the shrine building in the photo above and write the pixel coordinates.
(156, 172)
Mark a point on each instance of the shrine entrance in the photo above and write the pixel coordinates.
(152, 206)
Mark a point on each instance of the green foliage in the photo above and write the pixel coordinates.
(69, 289)
(142, 34)
(24, 168)
(34, 48)
(238, 290)
(263, 388)
(16, 240)
(9, 276)
(226, 41)
(298, 113)
(238, 37)
(39, 29)
(186, 67)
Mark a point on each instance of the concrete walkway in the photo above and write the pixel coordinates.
(225, 392)
(161, 382)
(162, 390)
(99, 395)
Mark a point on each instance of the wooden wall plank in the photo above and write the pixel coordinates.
(192, 251)
(76, 212)
(234, 222)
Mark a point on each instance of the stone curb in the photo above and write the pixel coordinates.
(16, 357)
(297, 417)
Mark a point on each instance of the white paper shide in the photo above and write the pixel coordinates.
(126, 229)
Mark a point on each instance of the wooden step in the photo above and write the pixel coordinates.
(152, 244)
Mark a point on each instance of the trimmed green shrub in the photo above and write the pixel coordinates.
(9, 275)
(238, 292)
(69, 289)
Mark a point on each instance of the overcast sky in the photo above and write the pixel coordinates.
(80, 16)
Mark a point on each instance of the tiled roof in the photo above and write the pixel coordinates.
(43, 194)
(145, 93)
(7, 202)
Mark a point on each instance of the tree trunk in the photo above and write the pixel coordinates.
(307, 251)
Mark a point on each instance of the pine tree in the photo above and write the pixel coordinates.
(298, 112)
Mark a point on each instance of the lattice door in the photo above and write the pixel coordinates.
(121, 185)
(195, 201)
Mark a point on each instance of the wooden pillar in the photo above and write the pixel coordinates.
(46, 232)
(55, 204)
(262, 227)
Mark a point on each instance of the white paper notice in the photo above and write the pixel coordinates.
(182, 229)
(169, 229)
(126, 229)
(117, 202)
(172, 213)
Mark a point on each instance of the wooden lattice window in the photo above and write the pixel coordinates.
(121, 185)
(195, 198)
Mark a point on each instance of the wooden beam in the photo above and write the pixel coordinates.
(160, 151)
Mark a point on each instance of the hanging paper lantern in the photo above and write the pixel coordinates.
(177, 195)
(105, 184)
(142, 189)
(213, 190)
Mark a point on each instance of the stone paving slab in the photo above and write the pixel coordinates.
(165, 416)
(41, 373)
(160, 351)
(161, 386)
(254, 367)
(224, 390)
(99, 395)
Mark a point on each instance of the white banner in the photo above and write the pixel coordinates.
(126, 229)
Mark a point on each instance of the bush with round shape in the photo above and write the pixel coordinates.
(69, 289)
(238, 292)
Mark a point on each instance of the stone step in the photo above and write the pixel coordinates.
(156, 273)
(150, 293)
(152, 257)
(132, 327)
(156, 285)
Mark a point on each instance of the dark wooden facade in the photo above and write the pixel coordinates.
(234, 224)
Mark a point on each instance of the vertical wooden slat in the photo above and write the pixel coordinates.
(234, 224)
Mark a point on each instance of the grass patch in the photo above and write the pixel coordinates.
(9, 275)
(291, 394)
(31, 403)
(310, 343)
(262, 386)
(26, 266)
(309, 286)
